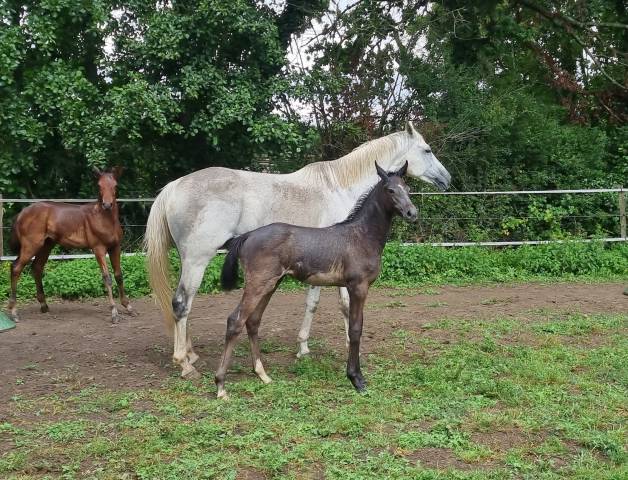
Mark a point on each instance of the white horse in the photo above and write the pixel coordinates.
(201, 211)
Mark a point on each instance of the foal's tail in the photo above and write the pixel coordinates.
(157, 242)
(229, 275)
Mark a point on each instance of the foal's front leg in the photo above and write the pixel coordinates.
(357, 297)
(99, 252)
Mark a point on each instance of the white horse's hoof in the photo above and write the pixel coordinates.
(190, 373)
(192, 357)
(303, 351)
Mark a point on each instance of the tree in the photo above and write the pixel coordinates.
(163, 88)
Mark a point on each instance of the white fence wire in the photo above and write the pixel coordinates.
(619, 190)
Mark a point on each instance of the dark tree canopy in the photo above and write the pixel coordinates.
(512, 94)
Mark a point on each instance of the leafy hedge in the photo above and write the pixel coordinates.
(402, 266)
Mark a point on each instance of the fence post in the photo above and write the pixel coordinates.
(622, 213)
(1, 226)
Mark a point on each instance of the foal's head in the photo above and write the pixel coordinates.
(398, 192)
(107, 184)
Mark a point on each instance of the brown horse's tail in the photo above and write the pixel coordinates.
(157, 242)
(14, 241)
(229, 274)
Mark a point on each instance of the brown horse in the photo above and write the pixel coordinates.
(95, 225)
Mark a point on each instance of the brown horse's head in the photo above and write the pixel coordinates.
(107, 184)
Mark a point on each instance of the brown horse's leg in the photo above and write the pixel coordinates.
(38, 271)
(114, 258)
(253, 295)
(99, 252)
(26, 253)
(357, 297)
(252, 327)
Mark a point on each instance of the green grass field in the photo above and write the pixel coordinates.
(540, 396)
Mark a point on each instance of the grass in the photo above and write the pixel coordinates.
(539, 397)
(417, 266)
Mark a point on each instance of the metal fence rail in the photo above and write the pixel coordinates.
(619, 190)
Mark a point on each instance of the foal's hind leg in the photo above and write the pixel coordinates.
(253, 297)
(252, 327)
(38, 270)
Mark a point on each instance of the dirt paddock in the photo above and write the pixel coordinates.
(75, 345)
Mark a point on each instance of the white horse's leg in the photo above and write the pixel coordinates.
(311, 303)
(344, 308)
(192, 269)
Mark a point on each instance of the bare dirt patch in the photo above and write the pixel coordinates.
(439, 459)
(75, 346)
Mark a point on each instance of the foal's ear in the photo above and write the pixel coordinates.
(117, 171)
(97, 172)
(403, 170)
(382, 174)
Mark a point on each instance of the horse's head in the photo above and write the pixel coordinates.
(422, 163)
(398, 192)
(107, 184)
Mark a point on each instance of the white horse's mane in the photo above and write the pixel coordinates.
(347, 170)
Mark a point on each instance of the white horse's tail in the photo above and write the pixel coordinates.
(157, 242)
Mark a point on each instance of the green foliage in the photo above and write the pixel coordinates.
(161, 88)
(401, 266)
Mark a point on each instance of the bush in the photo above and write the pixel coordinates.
(401, 266)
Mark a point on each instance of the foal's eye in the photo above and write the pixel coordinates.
(390, 190)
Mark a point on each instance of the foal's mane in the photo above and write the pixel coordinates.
(360, 204)
(347, 170)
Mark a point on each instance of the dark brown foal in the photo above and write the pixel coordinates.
(96, 225)
(347, 254)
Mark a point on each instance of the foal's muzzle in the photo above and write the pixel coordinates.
(411, 214)
(107, 206)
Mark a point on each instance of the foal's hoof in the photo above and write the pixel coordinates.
(191, 374)
(359, 383)
(131, 312)
(44, 308)
(15, 318)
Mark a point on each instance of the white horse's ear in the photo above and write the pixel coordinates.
(410, 130)
(382, 174)
(403, 170)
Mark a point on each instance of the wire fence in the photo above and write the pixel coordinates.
(447, 219)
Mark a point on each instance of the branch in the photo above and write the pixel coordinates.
(567, 19)
(561, 20)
